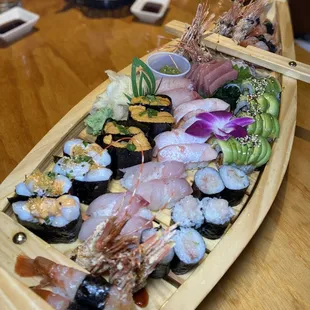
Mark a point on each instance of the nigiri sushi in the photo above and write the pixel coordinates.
(190, 109)
(166, 84)
(192, 155)
(174, 137)
(163, 193)
(152, 171)
(181, 95)
(53, 220)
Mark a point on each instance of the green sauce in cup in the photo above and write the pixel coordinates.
(169, 70)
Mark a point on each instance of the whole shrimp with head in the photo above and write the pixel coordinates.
(250, 19)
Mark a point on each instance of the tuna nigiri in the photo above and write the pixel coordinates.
(161, 193)
(152, 171)
(190, 109)
(192, 155)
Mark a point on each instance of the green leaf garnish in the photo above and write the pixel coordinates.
(131, 147)
(82, 158)
(51, 174)
(151, 113)
(69, 176)
(243, 73)
(151, 98)
(128, 97)
(122, 129)
(48, 220)
(85, 143)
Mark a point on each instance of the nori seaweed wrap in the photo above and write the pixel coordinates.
(92, 293)
(217, 216)
(128, 152)
(158, 121)
(189, 250)
(156, 102)
(53, 220)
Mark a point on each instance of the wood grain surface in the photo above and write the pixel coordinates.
(49, 71)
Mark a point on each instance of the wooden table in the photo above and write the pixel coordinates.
(45, 74)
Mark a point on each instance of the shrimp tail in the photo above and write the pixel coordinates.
(25, 266)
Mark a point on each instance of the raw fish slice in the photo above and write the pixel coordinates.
(198, 106)
(216, 71)
(112, 204)
(161, 193)
(174, 137)
(173, 83)
(181, 95)
(192, 71)
(183, 125)
(222, 80)
(188, 153)
(152, 171)
(89, 226)
(140, 221)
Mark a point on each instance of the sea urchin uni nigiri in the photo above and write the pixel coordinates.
(54, 220)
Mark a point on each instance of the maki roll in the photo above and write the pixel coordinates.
(207, 183)
(156, 102)
(217, 216)
(187, 212)
(128, 152)
(83, 151)
(42, 184)
(236, 183)
(163, 267)
(90, 180)
(53, 220)
(157, 121)
(189, 250)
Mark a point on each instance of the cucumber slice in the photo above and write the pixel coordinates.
(227, 152)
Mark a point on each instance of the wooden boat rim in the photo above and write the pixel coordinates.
(235, 240)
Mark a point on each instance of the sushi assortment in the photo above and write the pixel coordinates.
(217, 124)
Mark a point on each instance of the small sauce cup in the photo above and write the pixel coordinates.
(158, 60)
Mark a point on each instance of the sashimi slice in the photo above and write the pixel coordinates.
(163, 193)
(152, 171)
(198, 106)
(173, 83)
(181, 95)
(192, 71)
(222, 80)
(188, 153)
(89, 226)
(115, 203)
(174, 137)
(214, 74)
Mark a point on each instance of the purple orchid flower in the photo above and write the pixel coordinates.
(220, 123)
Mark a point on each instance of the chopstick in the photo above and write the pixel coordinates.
(274, 62)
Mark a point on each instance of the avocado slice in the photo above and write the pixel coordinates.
(267, 152)
(274, 105)
(244, 154)
(234, 150)
(273, 87)
(267, 124)
(262, 103)
(264, 146)
(238, 147)
(227, 151)
(257, 150)
(259, 125)
(251, 128)
(276, 128)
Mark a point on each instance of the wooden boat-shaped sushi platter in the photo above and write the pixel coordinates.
(175, 290)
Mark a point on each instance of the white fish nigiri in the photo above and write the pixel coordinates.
(114, 203)
(152, 171)
(174, 137)
(189, 109)
(95, 175)
(66, 166)
(162, 193)
(188, 153)
(181, 95)
(173, 83)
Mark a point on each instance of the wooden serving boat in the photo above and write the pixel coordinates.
(175, 292)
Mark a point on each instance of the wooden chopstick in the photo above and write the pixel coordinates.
(274, 62)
